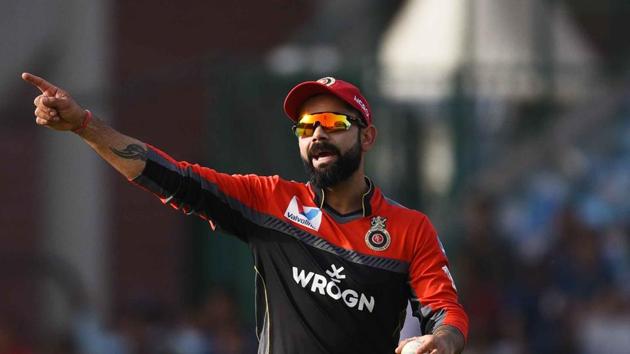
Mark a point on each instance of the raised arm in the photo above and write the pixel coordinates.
(55, 109)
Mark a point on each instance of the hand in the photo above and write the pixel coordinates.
(431, 344)
(427, 346)
(55, 108)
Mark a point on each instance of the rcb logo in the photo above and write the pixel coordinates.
(377, 237)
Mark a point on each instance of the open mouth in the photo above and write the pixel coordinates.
(323, 152)
(324, 155)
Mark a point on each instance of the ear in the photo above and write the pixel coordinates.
(368, 137)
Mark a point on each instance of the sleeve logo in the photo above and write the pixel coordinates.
(450, 277)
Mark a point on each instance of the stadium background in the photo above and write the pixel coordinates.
(506, 121)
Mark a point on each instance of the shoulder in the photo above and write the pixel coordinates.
(289, 185)
(278, 188)
(410, 229)
(403, 214)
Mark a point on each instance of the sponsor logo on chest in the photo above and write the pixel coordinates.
(310, 217)
(330, 287)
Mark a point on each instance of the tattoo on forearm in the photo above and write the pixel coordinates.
(455, 337)
(447, 329)
(131, 152)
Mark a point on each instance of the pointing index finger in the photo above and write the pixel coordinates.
(43, 85)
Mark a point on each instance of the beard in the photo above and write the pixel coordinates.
(344, 166)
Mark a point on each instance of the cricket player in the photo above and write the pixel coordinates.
(336, 261)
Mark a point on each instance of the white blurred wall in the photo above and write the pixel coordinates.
(505, 42)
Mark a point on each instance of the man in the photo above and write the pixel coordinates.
(336, 261)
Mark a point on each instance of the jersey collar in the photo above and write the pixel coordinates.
(319, 197)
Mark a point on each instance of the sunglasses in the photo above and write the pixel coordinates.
(330, 121)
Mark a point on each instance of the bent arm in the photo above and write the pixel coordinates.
(434, 295)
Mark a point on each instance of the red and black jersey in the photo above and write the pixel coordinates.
(326, 283)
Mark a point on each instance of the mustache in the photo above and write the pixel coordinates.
(322, 147)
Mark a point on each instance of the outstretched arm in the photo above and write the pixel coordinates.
(55, 109)
(224, 199)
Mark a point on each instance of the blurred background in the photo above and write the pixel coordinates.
(506, 121)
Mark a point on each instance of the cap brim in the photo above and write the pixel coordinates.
(299, 94)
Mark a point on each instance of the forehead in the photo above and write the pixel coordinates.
(325, 103)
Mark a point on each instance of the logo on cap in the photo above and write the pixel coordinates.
(362, 105)
(328, 81)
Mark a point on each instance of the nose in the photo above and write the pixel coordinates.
(319, 133)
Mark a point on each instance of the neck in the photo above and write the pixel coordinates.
(347, 196)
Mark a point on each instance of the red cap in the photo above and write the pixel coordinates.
(345, 91)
